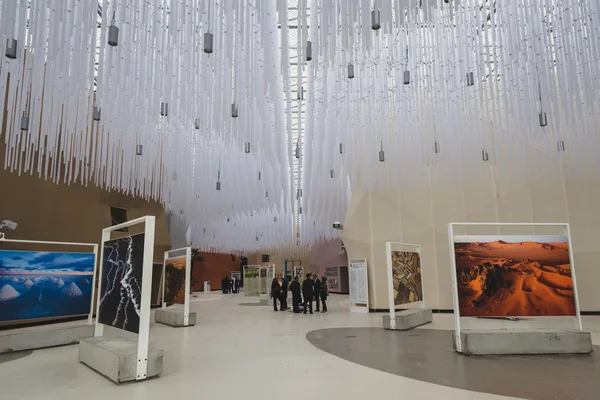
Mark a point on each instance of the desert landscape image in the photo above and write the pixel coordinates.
(175, 280)
(500, 276)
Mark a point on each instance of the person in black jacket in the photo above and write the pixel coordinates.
(317, 287)
(323, 293)
(308, 291)
(295, 288)
(275, 292)
(283, 292)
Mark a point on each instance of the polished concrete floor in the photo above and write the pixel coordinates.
(427, 355)
(239, 352)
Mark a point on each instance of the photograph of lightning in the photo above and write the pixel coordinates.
(121, 283)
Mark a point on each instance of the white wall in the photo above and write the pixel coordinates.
(420, 215)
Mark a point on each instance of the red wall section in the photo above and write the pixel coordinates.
(212, 267)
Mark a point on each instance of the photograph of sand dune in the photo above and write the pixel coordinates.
(175, 280)
(499, 276)
(406, 276)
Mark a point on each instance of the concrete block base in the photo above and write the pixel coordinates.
(174, 317)
(116, 358)
(408, 319)
(43, 336)
(504, 342)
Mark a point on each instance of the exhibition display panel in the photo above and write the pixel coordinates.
(509, 283)
(265, 283)
(176, 275)
(251, 280)
(38, 287)
(405, 287)
(359, 285)
(124, 304)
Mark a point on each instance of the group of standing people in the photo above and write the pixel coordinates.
(230, 285)
(309, 290)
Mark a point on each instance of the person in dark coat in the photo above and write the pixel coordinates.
(296, 298)
(231, 284)
(317, 287)
(323, 293)
(238, 282)
(275, 292)
(283, 292)
(308, 292)
(224, 285)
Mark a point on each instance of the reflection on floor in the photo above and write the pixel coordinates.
(238, 352)
(427, 355)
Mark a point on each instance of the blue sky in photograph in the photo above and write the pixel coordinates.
(14, 262)
(510, 238)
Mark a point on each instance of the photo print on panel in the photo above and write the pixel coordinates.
(121, 283)
(500, 276)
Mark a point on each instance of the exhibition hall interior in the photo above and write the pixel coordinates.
(338, 199)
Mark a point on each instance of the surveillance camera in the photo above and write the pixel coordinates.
(8, 224)
(337, 225)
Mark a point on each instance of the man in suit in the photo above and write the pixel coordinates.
(308, 292)
(295, 288)
(317, 289)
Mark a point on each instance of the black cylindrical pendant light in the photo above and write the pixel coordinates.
(96, 113)
(381, 154)
(543, 119)
(247, 148)
(208, 42)
(259, 175)
(470, 79)
(11, 48)
(197, 123)
(218, 185)
(138, 149)
(25, 121)
(375, 20)
(350, 71)
(164, 109)
(406, 77)
(234, 110)
(341, 148)
(332, 173)
(308, 50)
(297, 151)
(113, 35)
(267, 193)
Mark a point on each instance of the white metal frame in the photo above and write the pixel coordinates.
(390, 280)
(95, 251)
(144, 330)
(364, 306)
(566, 232)
(187, 251)
(246, 267)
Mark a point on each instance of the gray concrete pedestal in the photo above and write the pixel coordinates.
(538, 341)
(173, 317)
(408, 319)
(38, 337)
(116, 358)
